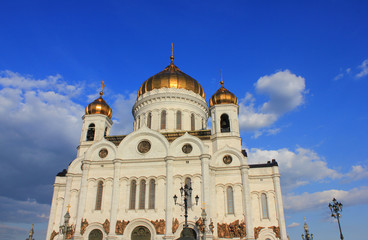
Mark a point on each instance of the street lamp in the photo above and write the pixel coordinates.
(306, 230)
(185, 192)
(65, 229)
(336, 208)
(31, 232)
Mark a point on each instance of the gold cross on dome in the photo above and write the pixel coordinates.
(172, 52)
(203, 205)
(222, 81)
(68, 207)
(102, 85)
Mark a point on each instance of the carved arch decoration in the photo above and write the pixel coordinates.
(236, 229)
(92, 152)
(237, 157)
(265, 233)
(120, 226)
(127, 148)
(198, 146)
(92, 226)
(140, 222)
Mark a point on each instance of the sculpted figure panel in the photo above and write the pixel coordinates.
(256, 231)
(53, 235)
(276, 230)
(106, 226)
(159, 226)
(120, 227)
(231, 230)
(175, 225)
(84, 226)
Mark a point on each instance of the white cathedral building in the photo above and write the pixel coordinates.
(122, 187)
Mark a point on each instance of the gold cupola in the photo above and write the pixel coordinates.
(99, 106)
(171, 77)
(223, 96)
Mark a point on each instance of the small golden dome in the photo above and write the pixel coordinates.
(171, 77)
(99, 106)
(223, 96)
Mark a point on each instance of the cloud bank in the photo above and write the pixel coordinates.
(285, 91)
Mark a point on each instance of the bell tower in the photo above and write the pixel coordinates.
(224, 111)
(96, 122)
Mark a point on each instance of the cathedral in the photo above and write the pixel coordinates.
(172, 171)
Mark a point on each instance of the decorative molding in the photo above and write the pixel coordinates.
(70, 233)
(84, 226)
(256, 231)
(120, 226)
(231, 230)
(175, 225)
(159, 226)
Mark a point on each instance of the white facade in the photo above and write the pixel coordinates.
(99, 185)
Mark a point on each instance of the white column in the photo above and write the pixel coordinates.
(66, 198)
(115, 198)
(206, 183)
(247, 202)
(279, 204)
(53, 211)
(169, 198)
(82, 198)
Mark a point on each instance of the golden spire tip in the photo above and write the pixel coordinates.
(222, 81)
(172, 52)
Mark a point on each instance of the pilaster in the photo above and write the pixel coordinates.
(247, 202)
(82, 198)
(169, 198)
(279, 204)
(115, 198)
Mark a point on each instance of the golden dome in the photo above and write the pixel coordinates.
(223, 96)
(99, 106)
(171, 77)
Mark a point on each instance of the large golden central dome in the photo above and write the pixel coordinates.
(171, 77)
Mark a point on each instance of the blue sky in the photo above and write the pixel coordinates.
(299, 69)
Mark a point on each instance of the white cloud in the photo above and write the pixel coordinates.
(312, 201)
(364, 69)
(294, 224)
(297, 168)
(122, 113)
(285, 91)
(339, 76)
(357, 172)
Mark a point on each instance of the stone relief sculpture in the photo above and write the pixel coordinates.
(175, 225)
(256, 231)
(70, 233)
(159, 226)
(211, 226)
(120, 227)
(84, 226)
(53, 235)
(276, 230)
(231, 230)
(106, 226)
(199, 224)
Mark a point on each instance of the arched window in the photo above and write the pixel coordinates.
(105, 133)
(142, 194)
(230, 200)
(264, 205)
(133, 188)
(95, 234)
(152, 189)
(188, 182)
(91, 132)
(192, 122)
(178, 120)
(149, 120)
(225, 123)
(163, 119)
(99, 195)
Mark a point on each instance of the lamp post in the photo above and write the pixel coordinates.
(64, 229)
(336, 208)
(306, 230)
(185, 193)
(31, 232)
